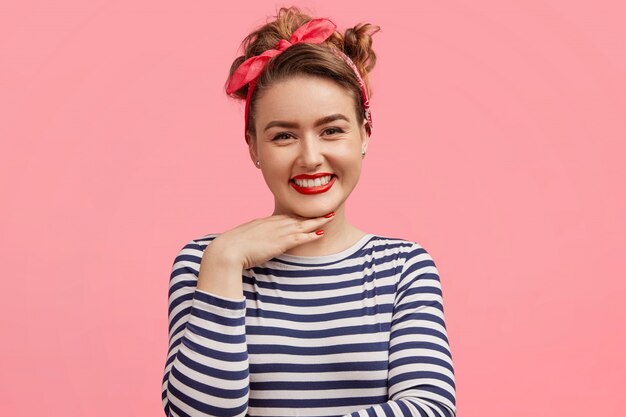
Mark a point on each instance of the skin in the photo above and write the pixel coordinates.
(284, 152)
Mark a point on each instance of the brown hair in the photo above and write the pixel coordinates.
(307, 58)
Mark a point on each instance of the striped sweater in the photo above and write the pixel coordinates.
(356, 333)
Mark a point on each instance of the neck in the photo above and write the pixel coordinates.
(339, 234)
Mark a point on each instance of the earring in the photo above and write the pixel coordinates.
(363, 153)
(258, 164)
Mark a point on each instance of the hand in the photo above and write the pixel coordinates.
(260, 240)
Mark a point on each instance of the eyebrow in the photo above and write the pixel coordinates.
(319, 122)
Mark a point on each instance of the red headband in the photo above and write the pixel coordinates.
(314, 31)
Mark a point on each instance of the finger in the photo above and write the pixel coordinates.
(297, 239)
(308, 225)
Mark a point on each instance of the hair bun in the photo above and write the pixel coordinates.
(357, 44)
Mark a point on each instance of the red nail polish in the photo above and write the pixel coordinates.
(329, 215)
(319, 232)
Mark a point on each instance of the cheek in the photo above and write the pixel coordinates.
(349, 156)
(344, 149)
(275, 170)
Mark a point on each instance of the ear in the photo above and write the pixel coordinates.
(364, 137)
(251, 139)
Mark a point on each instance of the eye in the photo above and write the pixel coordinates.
(280, 136)
(336, 129)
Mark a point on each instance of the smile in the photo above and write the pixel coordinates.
(313, 186)
(312, 182)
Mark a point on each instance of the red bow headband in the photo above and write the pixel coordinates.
(314, 31)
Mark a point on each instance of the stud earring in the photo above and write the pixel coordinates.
(363, 153)
(258, 164)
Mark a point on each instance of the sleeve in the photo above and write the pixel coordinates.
(206, 370)
(421, 373)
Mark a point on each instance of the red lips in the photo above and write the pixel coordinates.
(313, 190)
(311, 177)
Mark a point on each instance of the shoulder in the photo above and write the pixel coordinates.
(200, 242)
(408, 258)
(192, 250)
(187, 261)
(403, 248)
(204, 240)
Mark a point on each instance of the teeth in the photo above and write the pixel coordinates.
(313, 183)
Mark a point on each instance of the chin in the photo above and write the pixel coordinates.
(312, 210)
(308, 206)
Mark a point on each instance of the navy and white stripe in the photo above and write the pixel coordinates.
(357, 333)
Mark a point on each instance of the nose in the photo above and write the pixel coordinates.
(310, 153)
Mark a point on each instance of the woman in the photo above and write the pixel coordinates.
(302, 313)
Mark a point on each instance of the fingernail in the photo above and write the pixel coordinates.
(319, 232)
(329, 215)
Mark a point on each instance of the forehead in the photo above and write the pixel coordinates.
(304, 97)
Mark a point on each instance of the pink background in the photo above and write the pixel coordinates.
(498, 144)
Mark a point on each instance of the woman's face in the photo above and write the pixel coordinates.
(308, 126)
